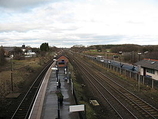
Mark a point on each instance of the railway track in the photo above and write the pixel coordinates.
(23, 110)
(124, 103)
(146, 110)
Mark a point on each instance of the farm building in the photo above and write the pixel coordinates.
(62, 61)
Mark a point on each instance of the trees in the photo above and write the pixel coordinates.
(2, 57)
(99, 48)
(78, 48)
(17, 53)
(17, 50)
(44, 47)
(125, 48)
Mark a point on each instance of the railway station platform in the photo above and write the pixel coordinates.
(46, 105)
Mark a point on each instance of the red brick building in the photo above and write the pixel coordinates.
(62, 61)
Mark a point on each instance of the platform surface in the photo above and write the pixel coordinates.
(50, 106)
(46, 105)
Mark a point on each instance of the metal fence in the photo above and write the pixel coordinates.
(131, 74)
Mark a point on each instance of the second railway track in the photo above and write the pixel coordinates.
(124, 103)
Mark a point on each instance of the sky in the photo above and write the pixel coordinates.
(64, 23)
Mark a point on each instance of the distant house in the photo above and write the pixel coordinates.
(29, 53)
(148, 68)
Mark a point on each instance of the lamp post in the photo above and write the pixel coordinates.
(11, 80)
(120, 52)
(58, 86)
(146, 52)
(58, 109)
(139, 53)
(139, 76)
(107, 59)
(107, 54)
(69, 79)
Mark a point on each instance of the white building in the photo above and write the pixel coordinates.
(29, 53)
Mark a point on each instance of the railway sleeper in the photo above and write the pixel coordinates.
(144, 106)
(148, 108)
(143, 113)
(146, 115)
(139, 101)
(153, 112)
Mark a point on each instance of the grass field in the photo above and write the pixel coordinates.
(22, 74)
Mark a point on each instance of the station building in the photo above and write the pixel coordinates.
(62, 61)
(148, 68)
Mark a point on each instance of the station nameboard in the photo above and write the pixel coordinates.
(54, 68)
(76, 108)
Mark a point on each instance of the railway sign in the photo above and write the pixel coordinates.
(76, 108)
(54, 68)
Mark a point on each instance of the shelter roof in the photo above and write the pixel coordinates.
(148, 63)
(62, 58)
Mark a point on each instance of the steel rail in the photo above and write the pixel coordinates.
(134, 96)
(88, 71)
(150, 111)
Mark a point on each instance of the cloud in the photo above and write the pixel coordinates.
(53, 16)
(18, 4)
(67, 22)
